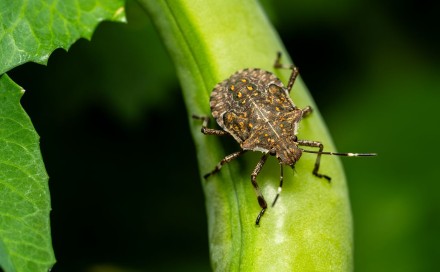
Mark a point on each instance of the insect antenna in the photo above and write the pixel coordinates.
(280, 186)
(340, 154)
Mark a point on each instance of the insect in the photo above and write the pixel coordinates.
(254, 107)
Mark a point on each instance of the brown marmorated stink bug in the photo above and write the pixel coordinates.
(255, 108)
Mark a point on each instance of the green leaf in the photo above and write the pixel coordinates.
(32, 29)
(310, 228)
(25, 242)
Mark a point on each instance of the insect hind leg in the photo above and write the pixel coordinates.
(292, 67)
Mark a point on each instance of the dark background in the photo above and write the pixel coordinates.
(123, 174)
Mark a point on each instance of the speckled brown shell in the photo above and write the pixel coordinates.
(255, 108)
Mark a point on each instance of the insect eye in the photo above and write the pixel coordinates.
(272, 152)
(294, 138)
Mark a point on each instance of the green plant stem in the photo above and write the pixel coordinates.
(310, 228)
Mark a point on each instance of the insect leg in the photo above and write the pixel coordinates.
(294, 74)
(306, 111)
(318, 156)
(279, 187)
(209, 131)
(226, 159)
(260, 197)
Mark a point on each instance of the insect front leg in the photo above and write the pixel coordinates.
(294, 74)
(260, 197)
(209, 131)
(318, 156)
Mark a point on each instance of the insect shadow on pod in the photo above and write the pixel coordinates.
(254, 107)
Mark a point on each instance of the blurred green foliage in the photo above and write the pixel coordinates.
(372, 68)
